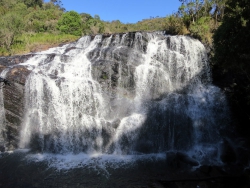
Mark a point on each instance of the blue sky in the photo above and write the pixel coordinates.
(127, 11)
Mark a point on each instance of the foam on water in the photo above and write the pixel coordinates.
(98, 162)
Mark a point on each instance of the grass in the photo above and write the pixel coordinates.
(47, 38)
(29, 42)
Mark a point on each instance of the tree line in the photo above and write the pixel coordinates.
(23, 20)
(231, 60)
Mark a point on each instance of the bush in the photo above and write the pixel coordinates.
(11, 27)
(175, 25)
(70, 23)
(201, 28)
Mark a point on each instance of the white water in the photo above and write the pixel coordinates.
(69, 112)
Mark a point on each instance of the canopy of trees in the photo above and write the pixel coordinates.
(231, 40)
(231, 61)
(23, 19)
(70, 23)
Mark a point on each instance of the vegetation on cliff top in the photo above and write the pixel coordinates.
(27, 23)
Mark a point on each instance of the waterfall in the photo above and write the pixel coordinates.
(133, 93)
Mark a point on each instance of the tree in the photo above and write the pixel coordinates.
(200, 29)
(190, 11)
(11, 27)
(231, 40)
(43, 19)
(58, 3)
(219, 6)
(70, 23)
(174, 25)
(33, 3)
(231, 60)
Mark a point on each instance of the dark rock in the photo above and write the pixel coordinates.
(243, 156)
(177, 159)
(144, 146)
(2, 149)
(14, 97)
(227, 152)
(115, 123)
(211, 171)
(109, 68)
(68, 49)
(14, 60)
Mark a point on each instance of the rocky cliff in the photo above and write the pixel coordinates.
(13, 98)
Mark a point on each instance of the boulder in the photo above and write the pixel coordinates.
(227, 152)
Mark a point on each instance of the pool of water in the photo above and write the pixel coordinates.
(22, 169)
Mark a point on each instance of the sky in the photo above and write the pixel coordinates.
(127, 11)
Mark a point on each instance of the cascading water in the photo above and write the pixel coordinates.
(142, 94)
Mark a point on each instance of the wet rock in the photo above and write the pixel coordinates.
(116, 123)
(2, 149)
(68, 49)
(211, 171)
(14, 60)
(14, 98)
(144, 146)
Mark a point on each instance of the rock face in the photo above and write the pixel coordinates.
(119, 94)
(13, 98)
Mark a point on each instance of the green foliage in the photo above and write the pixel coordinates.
(201, 17)
(195, 17)
(17, 19)
(33, 3)
(92, 25)
(39, 17)
(232, 58)
(42, 20)
(8, 4)
(11, 27)
(231, 40)
(152, 24)
(70, 23)
(58, 4)
(28, 42)
(201, 28)
(2, 10)
(44, 38)
(175, 25)
(219, 7)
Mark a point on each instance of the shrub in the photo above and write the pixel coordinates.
(70, 23)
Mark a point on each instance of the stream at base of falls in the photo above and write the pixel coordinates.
(18, 171)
